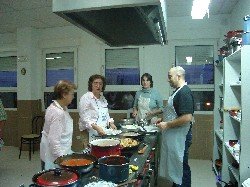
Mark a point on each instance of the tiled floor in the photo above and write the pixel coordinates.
(14, 171)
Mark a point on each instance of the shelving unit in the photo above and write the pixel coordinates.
(236, 96)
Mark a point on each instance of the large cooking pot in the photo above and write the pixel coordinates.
(56, 177)
(114, 168)
(105, 147)
(83, 163)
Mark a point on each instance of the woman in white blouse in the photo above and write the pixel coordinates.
(58, 126)
(93, 108)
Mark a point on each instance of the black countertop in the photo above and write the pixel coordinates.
(135, 159)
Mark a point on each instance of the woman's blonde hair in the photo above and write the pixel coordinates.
(62, 87)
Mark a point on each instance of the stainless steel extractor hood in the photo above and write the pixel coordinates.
(118, 22)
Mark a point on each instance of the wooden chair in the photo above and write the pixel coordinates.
(34, 137)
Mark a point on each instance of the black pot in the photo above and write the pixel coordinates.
(114, 168)
(81, 169)
(57, 178)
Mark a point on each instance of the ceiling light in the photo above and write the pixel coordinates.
(200, 8)
(53, 58)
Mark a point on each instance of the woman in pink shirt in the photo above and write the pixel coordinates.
(58, 127)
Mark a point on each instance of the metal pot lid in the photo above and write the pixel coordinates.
(56, 177)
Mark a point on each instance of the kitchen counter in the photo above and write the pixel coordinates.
(147, 163)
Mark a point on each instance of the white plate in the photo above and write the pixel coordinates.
(151, 128)
(112, 131)
(130, 127)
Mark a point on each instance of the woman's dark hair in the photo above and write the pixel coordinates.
(92, 78)
(62, 87)
(149, 77)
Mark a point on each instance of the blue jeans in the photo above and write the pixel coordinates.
(186, 178)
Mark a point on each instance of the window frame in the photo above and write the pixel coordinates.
(44, 65)
(9, 89)
(197, 87)
(122, 88)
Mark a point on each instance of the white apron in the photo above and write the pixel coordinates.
(173, 146)
(143, 107)
(66, 143)
(102, 121)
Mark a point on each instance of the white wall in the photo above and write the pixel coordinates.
(236, 18)
(156, 59)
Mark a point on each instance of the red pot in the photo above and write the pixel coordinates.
(105, 147)
(56, 178)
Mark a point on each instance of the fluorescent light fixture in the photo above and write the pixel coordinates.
(53, 58)
(200, 8)
(159, 33)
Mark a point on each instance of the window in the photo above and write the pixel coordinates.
(48, 97)
(8, 79)
(120, 100)
(59, 65)
(122, 66)
(197, 60)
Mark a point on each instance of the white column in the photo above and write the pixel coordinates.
(29, 68)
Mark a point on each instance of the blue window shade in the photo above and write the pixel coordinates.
(199, 74)
(8, 79)
(122, 76)
(53, 76)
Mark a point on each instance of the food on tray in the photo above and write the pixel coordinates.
(76, 162)
(128, 142)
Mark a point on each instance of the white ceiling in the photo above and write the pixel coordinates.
(38, 13)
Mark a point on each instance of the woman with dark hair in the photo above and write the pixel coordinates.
(58, 126)
(148, 101)
(93, 108)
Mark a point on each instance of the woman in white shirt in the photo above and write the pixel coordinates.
(58, 126)
(93, 108)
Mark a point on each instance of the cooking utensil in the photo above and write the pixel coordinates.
(142, 123)
(56, 177)
(141, 151)
(105, 147)
(80, 168)
(114, 168)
